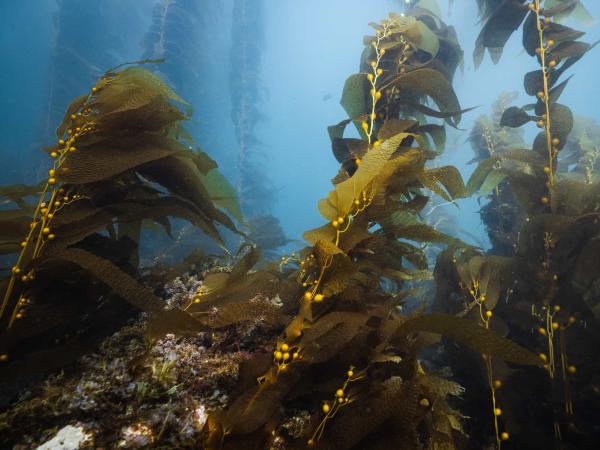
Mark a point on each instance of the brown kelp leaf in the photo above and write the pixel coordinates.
(102, 161)
(222, 193)
(259, 311)
(328, 210)
(499, 26)
(373, 163)
(129, 289)
(437, 133)
(17, 192)
(473, 336)
(355, 98)
(480, 174)
(14, 224)
(358, 232)
(255, 407)
(514, 117)
(433, 84)
(180, 176)
(338, 276)
(325, 232)
(534, 81)
(160, 209)
(425, 233)
(74, 232)
(325, 251)
(445, 181)
(215, 280)
(393, 397)
(248, 260)
(569, 49)
(337, 130)
(74, 212)
(392, 127)
(328, 334)
(425, 39)
(348, 149)
(204, 162)
(330, 342)
(265, 283)
(492, 274)
(562, 121)
(559, 7)
(132, 88)
(75, 105)
(557, 32)
(440, 386)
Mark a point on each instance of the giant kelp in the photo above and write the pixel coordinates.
(247, 94)
(501, 215)
(544, 279)
(186, 33)
(81, 53)
(347, 354)
(122, 158)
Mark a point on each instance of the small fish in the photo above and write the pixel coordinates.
(326, 97)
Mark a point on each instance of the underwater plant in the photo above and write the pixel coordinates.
(255, 193)
(84, 50)
(500, 214)
(347, 354)
(543, 215)
(122, 158)
(185, 33)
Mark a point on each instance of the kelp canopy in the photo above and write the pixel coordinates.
(123, 157)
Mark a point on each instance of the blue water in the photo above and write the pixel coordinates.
(52, 50)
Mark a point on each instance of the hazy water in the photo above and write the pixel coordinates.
(309, 48)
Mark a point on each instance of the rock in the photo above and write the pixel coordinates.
(68, 438)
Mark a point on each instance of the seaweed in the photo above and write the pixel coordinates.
(542, 222)
(122, 158)
(181, 33)
(253, 187)
(347, 353)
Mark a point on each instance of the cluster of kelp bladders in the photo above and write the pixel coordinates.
(122, 158)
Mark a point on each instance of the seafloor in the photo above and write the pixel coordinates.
(134, 393)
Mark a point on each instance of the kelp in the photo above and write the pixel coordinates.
(267, 234)
(83, 44)
(122, 159)
(542, 222)
(501, 19)
(347, 354)
(247, 93)
(176, 29)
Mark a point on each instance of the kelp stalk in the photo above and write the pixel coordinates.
(479, 299)
(374, 77)
(40, 230)
(544, 95)
(340, 400)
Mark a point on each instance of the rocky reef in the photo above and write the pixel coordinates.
(133, 392)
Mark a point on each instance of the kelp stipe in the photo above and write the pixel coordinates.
(347, 354)
(122, 157)
(247, 46)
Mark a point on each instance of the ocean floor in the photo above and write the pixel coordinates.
(135, 393)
